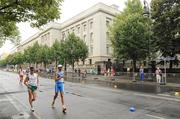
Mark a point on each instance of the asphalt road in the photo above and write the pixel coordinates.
(84, 101)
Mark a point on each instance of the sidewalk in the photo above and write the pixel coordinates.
(118, 79)
(127, 84)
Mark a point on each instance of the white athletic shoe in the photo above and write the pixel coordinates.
(52, 105)
(32, 109)
(64, 109)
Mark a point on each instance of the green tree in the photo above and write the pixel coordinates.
(74, 49)
(56, 52)
(37, 12)
(34, 53)
(31, 54)
(8, 31)
(18, 58)
(130, 33)
(44, 55)
(10, 59)
(166, 17)
(3, 63)
(26, 55)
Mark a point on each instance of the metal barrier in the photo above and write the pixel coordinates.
(171, 77)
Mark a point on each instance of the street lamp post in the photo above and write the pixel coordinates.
(147, 13)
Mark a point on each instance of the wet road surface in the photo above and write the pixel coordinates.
(139, 86)
(84, 101)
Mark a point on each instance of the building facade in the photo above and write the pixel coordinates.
(90, 25)
(47, 36)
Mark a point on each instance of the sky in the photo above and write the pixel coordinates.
(69, 9)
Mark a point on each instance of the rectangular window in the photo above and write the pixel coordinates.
(107, 36)
(84, 38)
(67, 31)
(72, 29)
(91, 25)
(91, 49)
(107, 49)
(90, 61)
(107, 23)
(91, 37)
(78, 29)
(63, 36)
(84, 27)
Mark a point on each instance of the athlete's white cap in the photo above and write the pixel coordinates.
(59, 65)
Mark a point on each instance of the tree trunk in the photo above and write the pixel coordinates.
(56, 63)
(134, 69)
(36, 65)
(65, 68)
(73, 66)
(45, 65)
(171, 64)
(134, 65)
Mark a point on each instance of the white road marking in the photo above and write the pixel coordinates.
(25, 106)
(164, 95)
(12, 101)
(157, 117)
(5, 100)
(158, 97)
(20, 116)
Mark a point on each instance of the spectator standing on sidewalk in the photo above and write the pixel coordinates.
(105, 72)
(85, 72)
(75, 70)
(158, 75)
(141, 71)
(109, 72)
(21, 75)
(113, 72)
(79, 72)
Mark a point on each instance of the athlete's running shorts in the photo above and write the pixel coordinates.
(32, 88)
(59, 87)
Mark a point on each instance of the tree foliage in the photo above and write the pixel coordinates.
(31, 54)
(44, 55)
(56, 52)
(18, 58)
(130, 33)
(3, 63)
(71, 50)
(74, 49)
(166, 27)
(37, 12)
(34, 53)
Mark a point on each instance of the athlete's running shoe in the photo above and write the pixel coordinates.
(52, 105)
(64, 109)
(32, 109)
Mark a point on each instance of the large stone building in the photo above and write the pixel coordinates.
(46, 36)
(90, 25)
